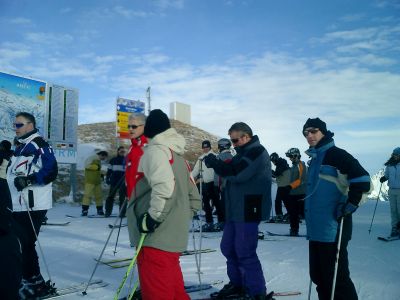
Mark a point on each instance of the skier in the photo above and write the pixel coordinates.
(31, 171)
(248, 201)
(326, 206)
(163, 204)
(136, 123)
(115, 178)
(392, 175)
(225, 155)
(10, 249)
(296, 190)
(282, 175)
(93, 179)
(209, 196)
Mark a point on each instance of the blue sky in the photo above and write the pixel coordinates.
(272, 64)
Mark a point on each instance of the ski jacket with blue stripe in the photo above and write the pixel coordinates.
(334, 177)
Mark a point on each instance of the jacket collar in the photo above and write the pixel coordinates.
(141, 140)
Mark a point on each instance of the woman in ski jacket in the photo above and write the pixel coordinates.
(163, 203)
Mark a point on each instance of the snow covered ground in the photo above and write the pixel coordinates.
(70, 253)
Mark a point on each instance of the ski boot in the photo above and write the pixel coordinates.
(208, 227)
(228, 291)
(100, 211)
(293, 232)
(219, 226)
(85, 210)
(35, 287)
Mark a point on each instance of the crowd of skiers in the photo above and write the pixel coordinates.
(160, 196)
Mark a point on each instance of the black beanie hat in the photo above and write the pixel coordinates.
(316, 123)
(156, 122)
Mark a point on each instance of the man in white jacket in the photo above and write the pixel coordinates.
(30, 174)
(205, 176)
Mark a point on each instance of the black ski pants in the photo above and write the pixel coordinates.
(24, 230)
(121, 189)
(281, 196)
(322, 258)
(11, 266)
(293, 205)
(210, 199)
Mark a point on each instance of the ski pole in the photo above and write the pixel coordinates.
(36, 236)
(120, 224)
(309, 289)
(337, 258)
(133, 262)
(198, 262)
(376, 204)
(100, 256)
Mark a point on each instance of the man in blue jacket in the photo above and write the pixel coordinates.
(247, 202)
(335, 184)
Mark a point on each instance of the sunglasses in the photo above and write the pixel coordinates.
(20, 125)
(134, 126)
(312, 131)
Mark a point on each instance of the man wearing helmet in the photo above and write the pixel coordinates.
(296, 189)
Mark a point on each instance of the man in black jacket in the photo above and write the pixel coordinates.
(115, 178)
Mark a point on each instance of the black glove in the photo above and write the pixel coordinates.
(22, 182)
(345, 209)
(147, 224)
(210, 160)
(383, 179)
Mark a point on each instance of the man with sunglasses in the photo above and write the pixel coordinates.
(335, 184)
(30, 173)
(247, 202)
(115, 177)
(136, 123)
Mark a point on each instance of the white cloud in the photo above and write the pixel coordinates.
(21, 21)
(49, 38)
(165, 4)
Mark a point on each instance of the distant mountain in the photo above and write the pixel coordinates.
(378, 190)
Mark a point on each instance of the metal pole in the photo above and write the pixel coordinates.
(376, 204)
(337, 258)
(72, 177)
(148, 99)
(309, 289)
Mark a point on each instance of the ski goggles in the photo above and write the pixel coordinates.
(20, 125)
(134, 126)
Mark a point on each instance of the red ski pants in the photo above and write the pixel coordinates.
(160, 275)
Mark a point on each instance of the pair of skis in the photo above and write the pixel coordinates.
(124, 262)
(76, 288)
